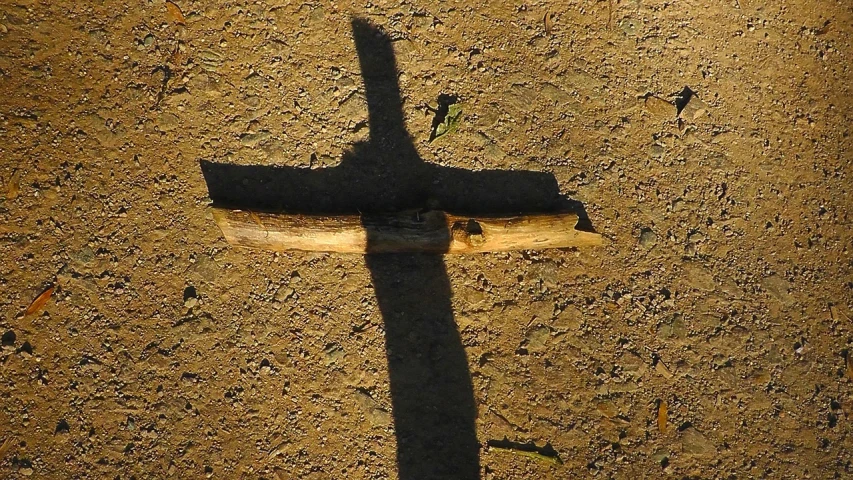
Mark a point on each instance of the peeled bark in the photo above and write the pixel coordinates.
(427, 232)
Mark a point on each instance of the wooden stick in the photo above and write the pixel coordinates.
(428, 232)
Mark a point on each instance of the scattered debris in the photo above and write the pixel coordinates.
(546, 453)
(108, 189)
(39, 302)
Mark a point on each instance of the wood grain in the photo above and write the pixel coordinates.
(427, 232)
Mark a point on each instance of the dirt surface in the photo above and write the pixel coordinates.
(709, 142)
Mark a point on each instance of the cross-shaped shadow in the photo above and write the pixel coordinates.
(431, 391)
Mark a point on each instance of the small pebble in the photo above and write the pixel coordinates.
(695, 237)
(648, 238)
(283, 294)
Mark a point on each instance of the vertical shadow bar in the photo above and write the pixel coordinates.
(431, 392)
(432, 397)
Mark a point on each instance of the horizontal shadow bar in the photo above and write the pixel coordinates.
(353, 187)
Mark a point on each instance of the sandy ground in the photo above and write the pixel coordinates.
(723, 295)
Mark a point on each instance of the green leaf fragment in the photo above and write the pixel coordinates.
(451, 121)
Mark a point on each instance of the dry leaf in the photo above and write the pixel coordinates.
(662, 370)
(14, 187)
(4, 449)
(549, 22)
(40, 301)
(175, 13)
(662, 417)
(659, 108)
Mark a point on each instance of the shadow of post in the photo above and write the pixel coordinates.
(432, 396)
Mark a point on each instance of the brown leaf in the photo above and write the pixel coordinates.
(662, 417)
(14, 187)
(175, 13)
(549, 22)
(40, 301)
